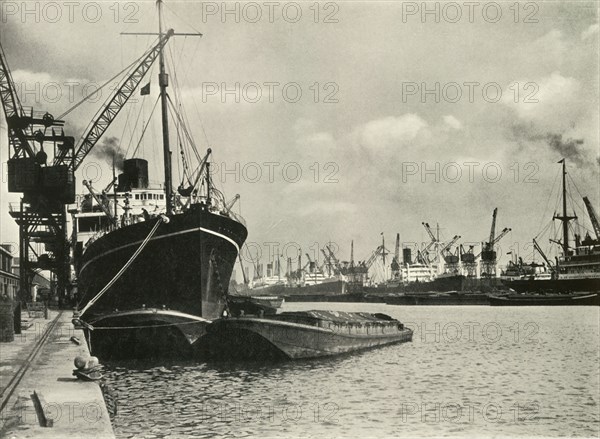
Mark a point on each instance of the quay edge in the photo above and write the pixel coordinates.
(77, 408)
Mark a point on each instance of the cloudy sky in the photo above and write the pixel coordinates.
(403, 117)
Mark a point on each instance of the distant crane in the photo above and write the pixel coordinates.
(488, 254)
(327, 262)
(593, 217)
(468, 260)
(434, 240)
(452, 260)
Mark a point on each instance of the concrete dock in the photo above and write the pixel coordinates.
(40, 396)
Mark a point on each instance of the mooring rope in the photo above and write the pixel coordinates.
(161, 219)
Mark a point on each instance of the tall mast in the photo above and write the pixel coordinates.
(565, 218)
(163, 80)
(565, 221)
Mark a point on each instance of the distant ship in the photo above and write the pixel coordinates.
(552, 299)
(578, 267)
(310, 279)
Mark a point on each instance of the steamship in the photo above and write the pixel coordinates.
(577, 270)
(152, 263)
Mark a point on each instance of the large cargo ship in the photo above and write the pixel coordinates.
(153, 264)
(578, 267)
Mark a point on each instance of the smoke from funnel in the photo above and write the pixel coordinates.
(568, 148)
(109, 150)
(571, 149)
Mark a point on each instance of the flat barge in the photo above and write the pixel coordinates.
(296, 335)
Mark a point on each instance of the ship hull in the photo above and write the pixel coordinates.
(556, 285)
(438, 299)
(144, 333)
(328, 288)
(547, 300)
(184, 267)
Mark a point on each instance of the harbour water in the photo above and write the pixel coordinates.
(473, 371)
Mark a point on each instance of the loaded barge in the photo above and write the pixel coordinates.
(296, 335)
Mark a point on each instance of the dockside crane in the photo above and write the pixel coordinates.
(488, 254)
(334, 259)
(45, 189)
(327, 262)
(468, 261)
(451, 259)
(425, 252)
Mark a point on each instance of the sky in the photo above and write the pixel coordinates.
(340, 121)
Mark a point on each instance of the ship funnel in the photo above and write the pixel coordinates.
(135, 175)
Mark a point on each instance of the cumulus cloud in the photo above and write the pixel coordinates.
(551, 101)
(379, 134)
(589, 32)
(452, 122)
(547, 51)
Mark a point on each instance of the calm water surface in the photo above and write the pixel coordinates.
(470, 372)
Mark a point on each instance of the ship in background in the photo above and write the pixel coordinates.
(577, 269)
(310, 278)
(153, 264)
(441, 267)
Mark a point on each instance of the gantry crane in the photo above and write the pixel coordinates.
(468, 261)
(48, 188)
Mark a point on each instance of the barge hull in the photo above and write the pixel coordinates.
(240, 338)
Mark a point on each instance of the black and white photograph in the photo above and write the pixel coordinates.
(299, 219)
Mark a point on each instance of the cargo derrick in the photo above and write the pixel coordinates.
(47, 188)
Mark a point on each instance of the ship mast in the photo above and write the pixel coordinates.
(564, 218)
(163, 80)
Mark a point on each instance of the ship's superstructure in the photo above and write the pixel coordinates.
(578, 266)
